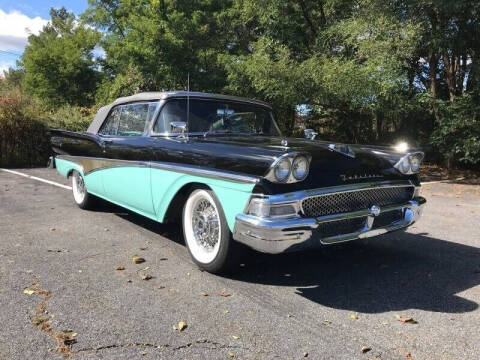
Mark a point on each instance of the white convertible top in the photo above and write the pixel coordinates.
(157, 95)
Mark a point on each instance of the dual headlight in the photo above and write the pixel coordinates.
(289, 168)
(410, 163)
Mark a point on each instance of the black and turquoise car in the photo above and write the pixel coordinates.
(220, 165)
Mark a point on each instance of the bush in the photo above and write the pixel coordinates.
(24, 137)
(71, 118)
(457, 136)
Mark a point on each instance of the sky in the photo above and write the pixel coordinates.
(19, 18)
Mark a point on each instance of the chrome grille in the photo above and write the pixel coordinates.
(345, 226)
(347, 201)
(387, 218)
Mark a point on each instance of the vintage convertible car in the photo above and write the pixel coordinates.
(220, 164)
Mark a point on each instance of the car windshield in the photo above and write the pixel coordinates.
(218, 117)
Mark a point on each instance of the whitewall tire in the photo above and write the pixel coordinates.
(206, 232)
(80, 195)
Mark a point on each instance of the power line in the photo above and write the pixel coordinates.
(11, 53)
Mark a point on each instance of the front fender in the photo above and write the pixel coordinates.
(233, 196)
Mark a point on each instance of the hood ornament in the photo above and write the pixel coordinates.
(342, 149)
(284, 142)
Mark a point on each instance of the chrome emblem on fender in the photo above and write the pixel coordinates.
(375, 210)
(342, 149)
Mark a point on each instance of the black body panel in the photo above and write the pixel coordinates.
(250, 155)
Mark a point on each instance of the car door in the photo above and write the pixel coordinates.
(126, 179)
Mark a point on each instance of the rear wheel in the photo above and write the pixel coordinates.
(82, 198)
(206, 233)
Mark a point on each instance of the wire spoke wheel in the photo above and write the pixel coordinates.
(202, 226)
(78, 188)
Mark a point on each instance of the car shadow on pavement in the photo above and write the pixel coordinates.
(392, 272)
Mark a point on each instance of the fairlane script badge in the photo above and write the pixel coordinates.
(359, 176)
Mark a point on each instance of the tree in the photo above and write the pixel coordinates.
(156, 44)
(58, 62)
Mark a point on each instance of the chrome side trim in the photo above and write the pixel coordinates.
(90, 165)
(199, 171)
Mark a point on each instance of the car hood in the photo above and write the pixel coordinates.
(331, 164)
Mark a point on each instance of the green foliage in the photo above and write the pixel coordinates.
(457, 135)
(366, 71)
(59, 66)
(162, 42)
(73, 118)
(23, 136)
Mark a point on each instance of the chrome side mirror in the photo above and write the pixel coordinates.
(310, 134)
(178, 127)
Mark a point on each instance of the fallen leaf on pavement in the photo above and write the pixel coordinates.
(52, 229)
(231, 354)
(203, 293)
(137, 259)
(354, 316)
(224, 293)
(408, 356)
(182, 325)
(146, 277)
(366, 349)
(28, 292)
(163, 259)
(235, 337)
(405, 319)
(305, 354)
(120, 268)
(143, 248)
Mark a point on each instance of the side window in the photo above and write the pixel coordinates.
(173, 110)
(110, 126)
(130, 119)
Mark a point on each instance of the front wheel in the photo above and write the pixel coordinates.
(207, 234)
(82, 198)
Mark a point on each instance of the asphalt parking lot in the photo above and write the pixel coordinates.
(62, 297)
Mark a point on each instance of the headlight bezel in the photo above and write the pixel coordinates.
(295, 161)
(404, 165)
(285, 161)
(288, 158)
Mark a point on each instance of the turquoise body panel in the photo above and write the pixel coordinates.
(93, 181)
(129, 186)
(165, 185)
(149, 191)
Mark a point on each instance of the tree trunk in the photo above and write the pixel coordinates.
(432, 74)
(451, 65)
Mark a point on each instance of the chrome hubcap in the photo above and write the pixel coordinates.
(205, 224)
(80, 185)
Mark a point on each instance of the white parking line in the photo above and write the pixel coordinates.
(37, 178)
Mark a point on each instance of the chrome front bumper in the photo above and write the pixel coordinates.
(281, 235)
